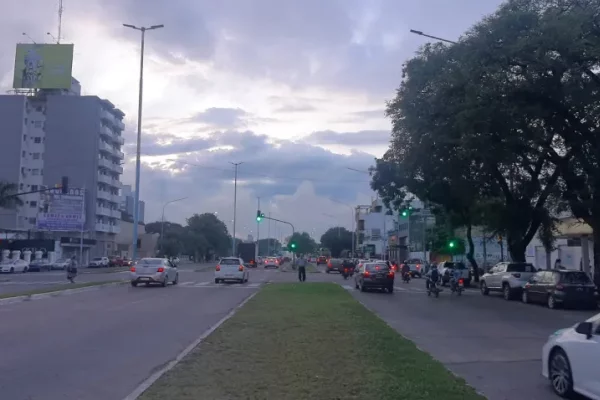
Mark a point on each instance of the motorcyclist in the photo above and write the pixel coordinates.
(432, 276)
(455, 275)
(405, 269)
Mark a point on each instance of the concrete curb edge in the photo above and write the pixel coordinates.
(56, 293)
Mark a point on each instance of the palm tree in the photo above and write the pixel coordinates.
(7, 198)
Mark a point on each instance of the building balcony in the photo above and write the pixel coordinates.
(100, 227)
(105, 179)
(106, 132)
(115, 214)
(109, 118)
(119, 139)
(120, 155)
(103, 162)
(120, 125)
(115, 229)
(104, 211)
(117, 168)
(104, 195)
(105, 147)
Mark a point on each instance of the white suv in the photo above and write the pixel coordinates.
(99, 262)
(508, 278)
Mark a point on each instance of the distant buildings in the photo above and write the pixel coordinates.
(128, 201)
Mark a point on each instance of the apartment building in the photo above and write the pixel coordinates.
(52, 134)
(373, 222)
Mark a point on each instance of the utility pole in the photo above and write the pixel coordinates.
(236, 165)
(269, 236)
(257, 252)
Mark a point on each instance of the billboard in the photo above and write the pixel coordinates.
(62, 212)
(43, 66)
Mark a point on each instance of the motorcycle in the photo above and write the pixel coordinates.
(432, 287)
(457, 286)
(346, 273)
(406, 277)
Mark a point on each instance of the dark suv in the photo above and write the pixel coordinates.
(375, 275)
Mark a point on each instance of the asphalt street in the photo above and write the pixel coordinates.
(100, 345)
(493, 344)
(18, 282)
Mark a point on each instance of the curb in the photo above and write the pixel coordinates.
(56, 293)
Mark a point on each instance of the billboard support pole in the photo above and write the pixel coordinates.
(81, 232)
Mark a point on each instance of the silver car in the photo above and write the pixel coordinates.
(154, 270)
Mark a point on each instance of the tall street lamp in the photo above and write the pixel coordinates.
(162, 221)
(420, 33)
(136, 206)
(236, 165)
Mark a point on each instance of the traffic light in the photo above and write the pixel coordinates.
(452, 244)
(406, 211)
(292, 246)
(259, 216)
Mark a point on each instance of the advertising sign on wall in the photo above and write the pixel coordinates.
(43, 66)
(62, 212)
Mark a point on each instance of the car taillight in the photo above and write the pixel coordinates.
(366, 273)
(418, 266)
(160, 269)
(559, 287)
(132, 269)
(329, 265)
(391, 274)
(516, 275)
(218, 268)
(251, 261)
(461, 281)
(241, 268)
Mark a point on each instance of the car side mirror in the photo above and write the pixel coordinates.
(585, 328)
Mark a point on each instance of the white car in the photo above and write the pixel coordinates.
(570, 359)
(99, 262)
(16, 265)
(154, 270)
(231, 269)
(271, 262)
(60, 264)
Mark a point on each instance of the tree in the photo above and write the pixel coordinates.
(268, 246)
(173, 242)
(304, 243)
(208, 235)
(337, 239)
(7, 196)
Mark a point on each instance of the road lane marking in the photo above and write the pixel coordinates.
(137, 392)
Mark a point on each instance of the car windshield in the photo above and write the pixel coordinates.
(520, 267)
(230, 261)
(377, 267)
(455, 265)
(575, 277)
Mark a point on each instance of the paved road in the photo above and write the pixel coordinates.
(100, 345)
(14, 283)
(493, 344)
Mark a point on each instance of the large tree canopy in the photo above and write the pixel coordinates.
(305, 244)
(337, 239)
(7, 195)
(507, 110)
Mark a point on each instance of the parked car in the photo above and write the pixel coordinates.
(61, 263)
(508, 278)
(570, 359)
(231, 269)
(14, 265)
(99, 262)
(154, 270)
(374, 275)
(557, 288)
(40, 265)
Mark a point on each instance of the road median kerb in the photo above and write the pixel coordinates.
(56, 293)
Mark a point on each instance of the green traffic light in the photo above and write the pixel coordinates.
(452, 244)
(258, 219)
(293, 245)
(404, 213)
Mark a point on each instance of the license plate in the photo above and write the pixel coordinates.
(144, 279)
(228, 275)
(380, 276)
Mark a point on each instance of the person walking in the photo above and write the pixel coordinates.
(72, 270)
(302, 268)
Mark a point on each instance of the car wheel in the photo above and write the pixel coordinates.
(484, 289)
(25, 270)
(506, 291)
(390, 289)
(551, 302)
(560, 373)
(363, 288)
(216, 280)
(525, 297)
(355, 285)
(134, 284)
(12, 270)
(164, 282)
(176, 280)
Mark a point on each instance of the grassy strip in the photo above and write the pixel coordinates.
(307, 341)
(66, 286)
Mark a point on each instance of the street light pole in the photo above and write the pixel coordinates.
(234, 205)
(420, 33)
(136, 205)
(162, 221)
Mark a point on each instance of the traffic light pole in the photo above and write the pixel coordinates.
(293, 232)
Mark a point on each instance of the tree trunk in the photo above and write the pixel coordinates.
(471, 253)
(516, 248)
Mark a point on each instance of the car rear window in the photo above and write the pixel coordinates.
(520, 267)
(455, 265)
(335, 261)
(150, 261)
(413, 261)
(376, 267)
(575, 277)
(230, 261)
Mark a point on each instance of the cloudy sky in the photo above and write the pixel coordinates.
(293, 89)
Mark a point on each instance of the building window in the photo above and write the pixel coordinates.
(32, 220)
(37, 124)
(37, 140)
(36, 156)
(33, 204)
(34, 188)
(35, 171)
(23, 154)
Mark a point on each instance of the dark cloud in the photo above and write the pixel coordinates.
(360, 138)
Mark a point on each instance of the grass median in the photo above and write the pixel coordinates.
(56, 288)
(307, 341)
